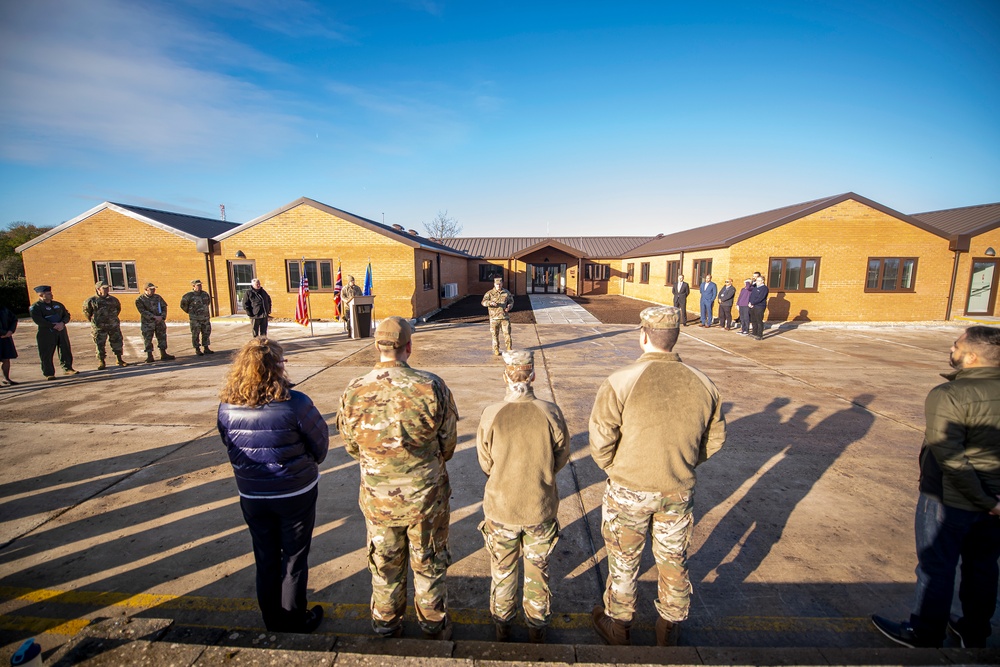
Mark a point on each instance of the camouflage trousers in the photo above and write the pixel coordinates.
(426, 545)
(201, 329)
(627, 517)
(495, 327)
(505, 545)
(104, 336)
(150, 328)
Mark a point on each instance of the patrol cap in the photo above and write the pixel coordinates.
(661, 317)
(394, 329)
(42, 288)
(148, 285)
(519, 360)
(101, 283)
(350, 278)
(195, 282)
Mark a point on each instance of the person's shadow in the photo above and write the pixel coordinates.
(778, 308)
(756, 522)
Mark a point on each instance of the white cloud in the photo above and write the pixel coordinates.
(107, 74)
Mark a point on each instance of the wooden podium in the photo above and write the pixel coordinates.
(361, 316)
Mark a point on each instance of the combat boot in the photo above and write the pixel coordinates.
(100, 364)
(208, 351)
(166, 357)
(198, 351)
(611, 631)
(666, 632)
(503, 630)
(149, 358)
(536, 635)
(121, 362)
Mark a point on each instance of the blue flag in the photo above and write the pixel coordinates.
(368, 280)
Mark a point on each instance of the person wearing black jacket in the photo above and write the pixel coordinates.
(276, 439)
(681, 290)
(758, 302)
(257, 306)
(726, 296)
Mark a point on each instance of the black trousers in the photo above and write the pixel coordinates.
(48, 342)
(281, 529)
(726, 316)
(259, 326)
(757, 321)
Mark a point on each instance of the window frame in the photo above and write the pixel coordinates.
(427, 269)
(317, 271)
(596, 272)
(490, 272)
(673, 270)
(783, 275)
(125, 265)
(699, 269)
(630, 272)
(644, 273)
(899, 276)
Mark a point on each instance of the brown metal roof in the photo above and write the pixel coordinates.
(596, 247)
(969, 220)
(725, 234)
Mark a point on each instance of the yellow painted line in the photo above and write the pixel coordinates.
(358, 612)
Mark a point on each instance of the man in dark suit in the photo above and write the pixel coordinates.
(681, 290)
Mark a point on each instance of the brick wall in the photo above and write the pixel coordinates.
(66, 262)
(977, 251)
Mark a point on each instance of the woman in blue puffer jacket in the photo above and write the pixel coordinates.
(276, 440)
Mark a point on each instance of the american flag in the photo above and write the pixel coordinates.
(302, 305)
(338, 287)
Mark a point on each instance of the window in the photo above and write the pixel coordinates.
(318, 271)
(793, 274)
(428, 274)
(701, 268)
(891, 274)
(487, 272)
(119, 275)
(629, 272)
(644, 273)
(596, 272)
(673, 270)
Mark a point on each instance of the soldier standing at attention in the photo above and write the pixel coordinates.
(51, 318)
(102, 310)
(499, 302)
(348, 294)
(153, 313)
(522, 443)
(650, 470)
(198, 305)
(401, 424)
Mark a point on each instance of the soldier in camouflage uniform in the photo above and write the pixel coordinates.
(102, 310)
(652, 423)
(401, 424)
(347, 295)
(521, 443)
(153, 313)
(198, 305)
(499, 302)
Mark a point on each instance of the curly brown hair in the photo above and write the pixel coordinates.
(257, 376)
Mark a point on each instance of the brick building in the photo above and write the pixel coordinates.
(840, 258)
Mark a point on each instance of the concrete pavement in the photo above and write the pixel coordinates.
(117, 498)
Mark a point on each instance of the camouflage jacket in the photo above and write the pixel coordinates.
(102, 311)
(401, 425)
(351, 291)
(498, 301)
(198, 305)
(150, 306)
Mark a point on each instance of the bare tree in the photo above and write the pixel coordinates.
(442, 227)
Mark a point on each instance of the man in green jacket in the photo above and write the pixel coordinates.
(958, 513)
(521, 443)
(652, 423)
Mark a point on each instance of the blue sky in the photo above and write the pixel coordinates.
(575, 118)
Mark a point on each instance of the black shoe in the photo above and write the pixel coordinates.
(964, 640)
(902, 633)
(312, 620)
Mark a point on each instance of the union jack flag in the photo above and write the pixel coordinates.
(302, 304)
(338, 287)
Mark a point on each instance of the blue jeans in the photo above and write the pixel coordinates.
(706, 313)
(944, 535)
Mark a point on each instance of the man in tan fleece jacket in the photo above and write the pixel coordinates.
(522, 443)
(652, 423)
